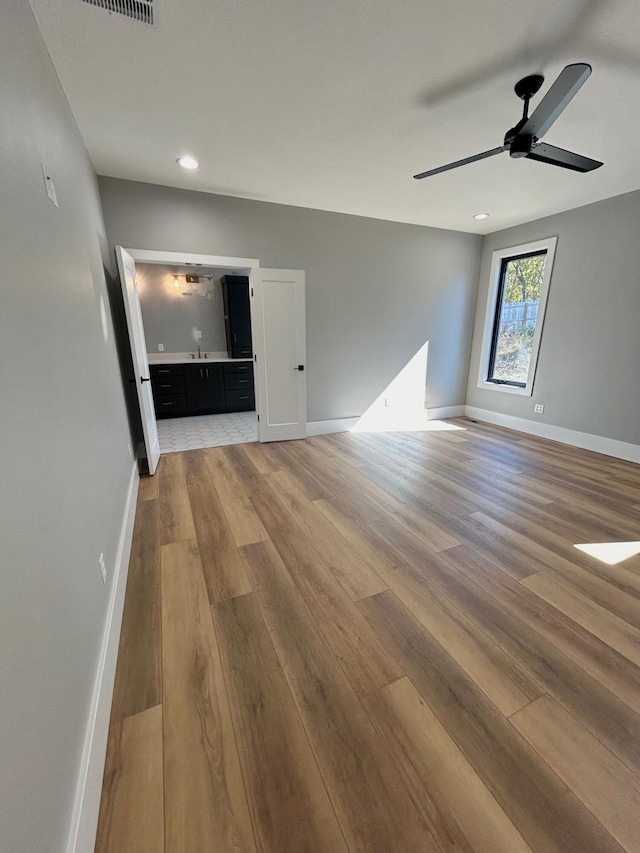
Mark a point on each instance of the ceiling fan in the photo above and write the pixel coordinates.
(523, 140)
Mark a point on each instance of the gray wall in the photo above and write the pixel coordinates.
(169, 318)
(376, 291)
(64, 461)
(587, 373)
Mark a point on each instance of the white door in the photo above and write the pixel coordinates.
(127, 269)
(279, 344)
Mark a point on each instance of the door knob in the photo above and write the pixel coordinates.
(142, 379)
(299, 367)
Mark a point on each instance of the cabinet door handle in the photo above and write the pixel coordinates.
(167, 404)
(245, 398)
(235, 338)
(242, 380)
(163, 371)
(207, 369)
(201, 376)
(166, 386)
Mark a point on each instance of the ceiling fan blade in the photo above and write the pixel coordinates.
(559, 157)
(464, 162)
(569, 81)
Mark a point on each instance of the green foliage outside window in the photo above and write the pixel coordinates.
(524, 279)
(517, 319)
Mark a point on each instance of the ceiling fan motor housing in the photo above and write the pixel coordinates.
(521, 146)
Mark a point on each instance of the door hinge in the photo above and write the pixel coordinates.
(258, 418)
(255, 357)
(252, 291)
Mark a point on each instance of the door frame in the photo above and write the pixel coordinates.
(156, 256)
(151, 256)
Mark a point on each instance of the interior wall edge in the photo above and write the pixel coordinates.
(86, 806)
(66, 451)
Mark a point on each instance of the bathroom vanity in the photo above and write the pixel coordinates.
(187, 386)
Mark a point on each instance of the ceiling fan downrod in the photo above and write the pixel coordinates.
(521, 145)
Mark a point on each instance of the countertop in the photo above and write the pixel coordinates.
(187, 358)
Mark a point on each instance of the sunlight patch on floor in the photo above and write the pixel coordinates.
(611, 553)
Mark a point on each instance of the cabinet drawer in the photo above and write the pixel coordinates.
(238, 367)
(163, 385)
(239, 381)
(165, 370)
(170, 405)
(241, 352)
(239, 401)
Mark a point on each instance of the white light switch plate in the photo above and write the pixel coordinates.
(160, 347)
(48, 182)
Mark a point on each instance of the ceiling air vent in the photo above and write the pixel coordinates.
(138, 10)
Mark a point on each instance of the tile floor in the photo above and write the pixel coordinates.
(177, 434)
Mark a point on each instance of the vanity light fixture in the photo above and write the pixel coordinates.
(187, 162)
(193, 285)
(481, 216)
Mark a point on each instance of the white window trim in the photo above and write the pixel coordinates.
(549, 244)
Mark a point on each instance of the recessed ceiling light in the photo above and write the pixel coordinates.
(187, 162)
(481, 216)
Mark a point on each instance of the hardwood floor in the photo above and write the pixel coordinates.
(379, 643)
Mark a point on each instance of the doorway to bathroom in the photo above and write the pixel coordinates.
(219, 346)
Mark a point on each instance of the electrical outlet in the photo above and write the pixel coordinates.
(197, 334)
(538, 408)
(103, 568)
(160, 347)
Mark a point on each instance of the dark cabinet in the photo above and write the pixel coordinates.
(169, 393)
(171, 406)
(202, 388)
(240, 401)
(238, 386)
(205, 388)
(162, 371)
(237, 315)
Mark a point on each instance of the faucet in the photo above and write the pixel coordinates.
(199, 353)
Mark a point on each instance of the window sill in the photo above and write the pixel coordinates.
(527, 391)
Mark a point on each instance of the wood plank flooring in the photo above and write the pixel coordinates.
(379, 643)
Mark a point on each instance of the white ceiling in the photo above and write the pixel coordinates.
(335, 104)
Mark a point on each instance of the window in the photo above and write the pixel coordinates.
(515, 314)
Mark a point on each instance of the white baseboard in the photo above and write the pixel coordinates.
(596, 443)
(441, 412)
(335, 425)
(345, 424)
(86, 807)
